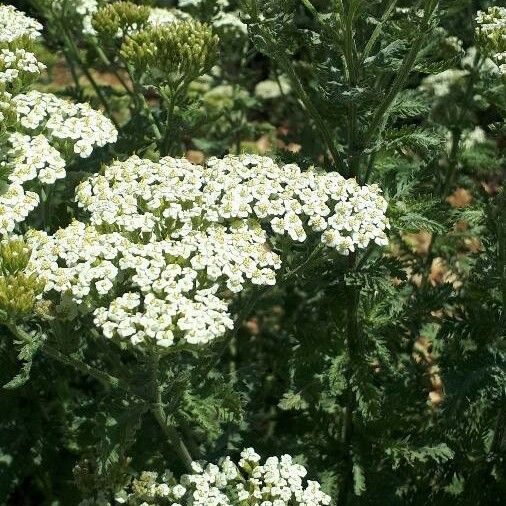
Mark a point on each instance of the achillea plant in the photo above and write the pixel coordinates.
(228, 224)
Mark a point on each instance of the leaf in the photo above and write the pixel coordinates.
(119, 432)
(292, 401)
(421, 139)
(410, 455)
(26, 354)
(409, 104)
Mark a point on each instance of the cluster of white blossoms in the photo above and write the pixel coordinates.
(61, 120)
(440, 85)
(166, 242)
(290, 201)
(43, 130)
(15, 24)
(229, 23)
(34, 158)
(160, 16)
(83, 9)
(277, 482)
(18, 63)
(491, 32)
(15, 205)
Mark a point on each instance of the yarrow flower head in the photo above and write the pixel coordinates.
(166, 242)
(14, 24)
(69, 124)
(18, 69)
(276, 482)
(39, 132)
(77, 13)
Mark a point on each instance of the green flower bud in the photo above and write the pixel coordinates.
(173, 54)
(14, 257)
(19, 290)
(114, 23)
(18, 294)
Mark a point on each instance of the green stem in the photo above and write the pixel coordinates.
(325, 133)
(352, 74)
(105, 378)
(354, 356)
(141, 104)
(402, 76)
(452, 161)
(167, 141)
(75, 53)
(171, 433)
(377, 31)
(310, 7)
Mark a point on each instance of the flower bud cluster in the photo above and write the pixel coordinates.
(491, 33)
(117, 20)
(277, 482)
(166, 241)
(114, 22)
(172, 53)
(15, 24)
(18, 290)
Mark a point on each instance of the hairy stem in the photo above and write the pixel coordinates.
(173, 437)
(103, 377)
(353, 347)
(74, 51)
(402, 76)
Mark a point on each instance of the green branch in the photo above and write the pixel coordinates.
(103, 377)
(403, 74)
(173, 438)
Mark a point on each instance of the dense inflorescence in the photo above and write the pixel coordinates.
(41, 131)
(277, 482)
(78, 125)
(15, 24)
(165, 241)
(18, 65)
(172, 53)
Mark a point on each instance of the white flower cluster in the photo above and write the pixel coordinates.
(15, 24)
(270, 89)
(160, 16)
(40, 124)
(229, 23)
(198, 3)
(441, 84)
(34, 158)
(15, 205)
(491, 31)
(290, 201)
(83, 9)
(16, 64)
(61, 120)
(166, 239)
(277, 482)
